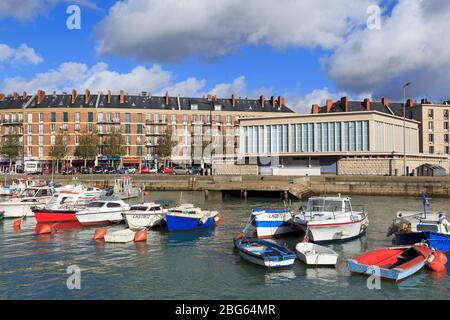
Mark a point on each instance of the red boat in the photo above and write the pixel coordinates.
(394, 263)
(48, 215)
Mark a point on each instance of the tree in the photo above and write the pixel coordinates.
(11, 147)
(59, 149)
(88, 146)
(113, 145)
(165, 145)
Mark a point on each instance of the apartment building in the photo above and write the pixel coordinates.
(201, 127)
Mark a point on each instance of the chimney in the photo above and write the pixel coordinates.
(385, 101)
(409, 103)
(122, 97)
(40, 96)
(262, 99)
(272, 101)
(54, 93)
(166, 98)
(315, 108)
(367, 104)
(209, 97)
(233, 100)
(329, 105)
(424, 101)
(281, 102)
(87, 97)
(109, 97)
(344, 104)
(74, 96)
(25, 95)
(15, 95)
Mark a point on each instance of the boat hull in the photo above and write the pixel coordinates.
(438, 241)
(177, 223)
(18, 210)
(45, 216)
(272, 224)
(332, 232)
(283, 258)
(266, 263)
(315, 256)
(121, 236)
(96, 218)
(143, 220)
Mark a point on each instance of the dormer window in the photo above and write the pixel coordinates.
(194, 106)
(217, 107)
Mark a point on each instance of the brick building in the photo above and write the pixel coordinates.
(142, 119)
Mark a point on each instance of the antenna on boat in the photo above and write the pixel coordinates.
(425, 203)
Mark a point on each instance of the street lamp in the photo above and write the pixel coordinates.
(404, 127)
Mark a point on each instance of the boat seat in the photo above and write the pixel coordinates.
(261, 251)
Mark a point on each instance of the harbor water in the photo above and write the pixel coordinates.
(200, 264)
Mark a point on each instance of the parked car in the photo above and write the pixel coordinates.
(195, 170)
(168, 170)
(145, 169)
(110, 170)
(85, 170)
(180, 170)
(68, 171)
(130, 170)
(98, 170)
(121, 171)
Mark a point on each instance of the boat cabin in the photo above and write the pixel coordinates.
(329, 204)
(105, 204)
(37, 192)
(151, 207)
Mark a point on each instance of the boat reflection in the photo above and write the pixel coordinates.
(188, 237)
(278, 276)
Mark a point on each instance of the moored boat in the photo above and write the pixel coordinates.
(61, 208)
(189, 217)
(395, 263)
(102, 212)
(432, 228)
(145, 215)
(328, 219)
(272, 223)
(316, 255)
(22, 205)
(123, 189)
(264, 253)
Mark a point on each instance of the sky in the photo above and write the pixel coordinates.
(305, 50)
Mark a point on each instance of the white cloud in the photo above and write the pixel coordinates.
(24, 10)
(174, 29)
(99, 77)
(22, 55)
(412, 45)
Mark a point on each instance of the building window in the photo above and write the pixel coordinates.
(29, 140)
(41, 117)
(77, 127)
(53, 128)
(41, 129)
(139, 128)
(446, 126)
(127, 117)
(30, 151)
(431, 138)
(53, 117)
(446, 138)
(127, 128)
(77, 140)
(431, 150)
(218, 120)
(446, 114)
(447, 150)
(90, 116)
(52, 140)
(30, 118)
(174, 118)
(228, 119)
(77, 117)
(139, 117)
(65, 116)
(41, 140)
(30, 128)
(185, 118)
(139, 151)
(100, 117)
(156, 118)
(430, 114)
(164, 118)
(430, 126)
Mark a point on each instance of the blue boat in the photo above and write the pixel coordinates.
(188, 217)
(415, 227)
(264, 253)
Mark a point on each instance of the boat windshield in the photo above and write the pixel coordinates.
(324, 205)
(28, 193)
(139, 208)
(95, 204)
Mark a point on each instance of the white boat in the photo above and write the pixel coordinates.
(121, 236)
(80, 189)
(313, 254)
(14, 188)
(145, 215)
(102, 212)
(189, 217)
(331, 219)
(272, 223)
(123, 189)
(25, 201)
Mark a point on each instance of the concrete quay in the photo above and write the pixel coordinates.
(249, 186)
